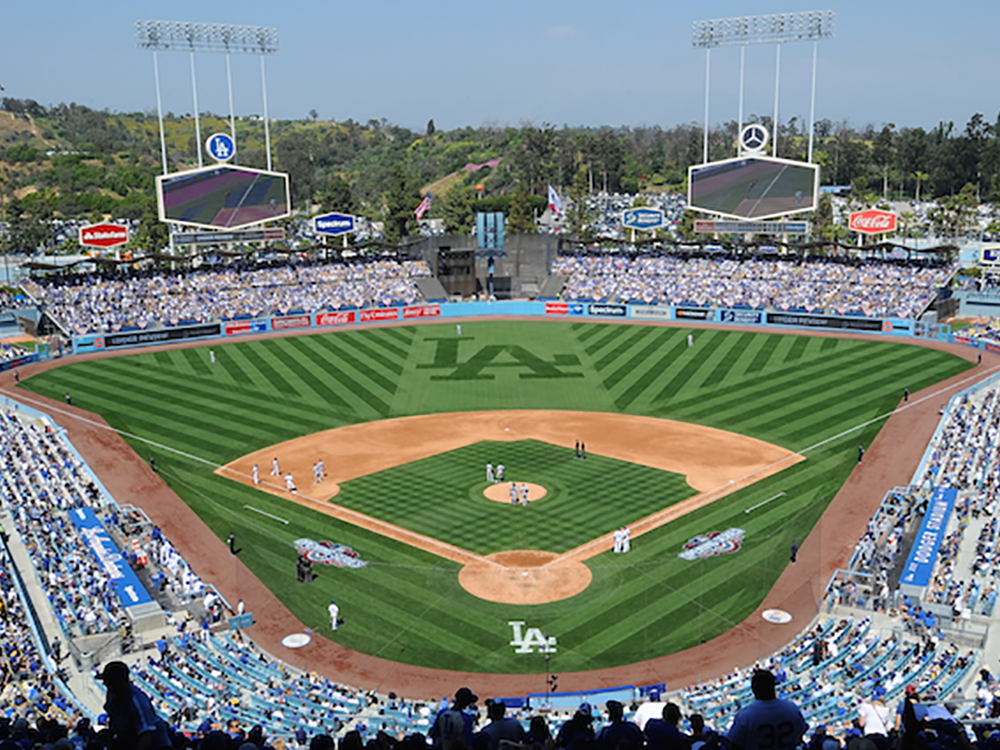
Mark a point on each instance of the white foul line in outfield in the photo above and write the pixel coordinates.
(758, 505)
(265, 513)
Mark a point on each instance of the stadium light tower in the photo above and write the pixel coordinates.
(176, 36)
(777, 29)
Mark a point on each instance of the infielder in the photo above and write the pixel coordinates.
(524, 496)
(256, 474)
(334, 611)
(275, 471)
(626, 539)
(290, 483)
(489, 473)
(500, 468)
(513, 493)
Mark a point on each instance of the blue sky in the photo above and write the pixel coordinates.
(577, 62)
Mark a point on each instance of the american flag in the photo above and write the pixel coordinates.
(424, 207)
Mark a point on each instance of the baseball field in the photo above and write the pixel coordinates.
(411, 501)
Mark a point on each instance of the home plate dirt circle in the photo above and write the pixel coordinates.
(524, 577)
(500, 492)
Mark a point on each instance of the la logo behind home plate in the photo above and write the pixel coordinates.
(526, 640)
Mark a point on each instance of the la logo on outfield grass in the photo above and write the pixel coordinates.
(526, 640)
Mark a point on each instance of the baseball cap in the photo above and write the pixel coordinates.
(878, 692)
(911, 689)
(584, 708)
(466, 696)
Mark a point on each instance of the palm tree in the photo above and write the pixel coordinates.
(919, 177)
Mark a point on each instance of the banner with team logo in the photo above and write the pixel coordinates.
(329, 553)
(713, 543)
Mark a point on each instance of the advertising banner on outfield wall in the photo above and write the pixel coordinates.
(924, 553)
(240, 327)
(824, 321)
(288, 322)
(692, 313)
(159, 336)
(422, 311)
(741, 317)
(380, 313)
(556, 308)
(608, 311)
(654, 312)
(109, 558)
(336, 318)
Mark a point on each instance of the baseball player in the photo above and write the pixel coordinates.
(275, 471)
(211, 356)
(334, 611)
(458, 328)
(513, 493)
(617, 536)
(256, 474)
(583, 451)
(499, 477)
(316, 473)
(524, 496)
(576, 450)
(690, 339)
(626, 539)
(489, 473)
(322, 470)
(290, 483)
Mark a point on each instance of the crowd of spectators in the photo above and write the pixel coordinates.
(96, 303)
(9, 352)
(868, 288)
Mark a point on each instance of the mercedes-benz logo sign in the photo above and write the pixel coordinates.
(753, 137)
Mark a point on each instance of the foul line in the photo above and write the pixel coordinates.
(265, 513)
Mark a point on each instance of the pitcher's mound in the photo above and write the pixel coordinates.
(500, 492)
(524, 577)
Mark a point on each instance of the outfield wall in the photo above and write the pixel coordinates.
(558, 310)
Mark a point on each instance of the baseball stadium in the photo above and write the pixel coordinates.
(275, 488)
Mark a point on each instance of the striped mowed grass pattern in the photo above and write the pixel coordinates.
(407, 604)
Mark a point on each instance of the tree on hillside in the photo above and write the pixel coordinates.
(153, 234)
(521, 219)
(336, 195)
(458, 210)
(295, 156)
(578, 217)
(400, 200)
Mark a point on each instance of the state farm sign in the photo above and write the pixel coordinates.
(873, 221)
(103, 235)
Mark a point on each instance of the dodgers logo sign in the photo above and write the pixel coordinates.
(329, 553)
(526, 640)
(713, 543)
(220, 146)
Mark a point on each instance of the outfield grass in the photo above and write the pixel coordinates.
(407, 604)
(442, 496)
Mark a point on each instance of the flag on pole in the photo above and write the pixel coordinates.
(555, 202)
(424, 207)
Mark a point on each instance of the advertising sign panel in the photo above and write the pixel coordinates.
(110, 559)
(924, 553)
(706, 226)
(740, 317)
(290, 321)
(651, 311)
(824, 321)
(873, 221)
(642, 218)
(161, 335)
(692, 313)
(556, 308)
(333, 224)
(422, 311)
(381, 313)
(615, 311)
(103, 235)
(240, 327)
(336, 318)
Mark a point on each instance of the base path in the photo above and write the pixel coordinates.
(891, 460)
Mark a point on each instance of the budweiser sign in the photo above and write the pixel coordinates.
(103, 235)
(873, 221)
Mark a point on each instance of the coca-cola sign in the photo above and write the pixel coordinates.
(873, 221)
(103, 235)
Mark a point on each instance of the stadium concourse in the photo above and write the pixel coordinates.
(200, 677)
